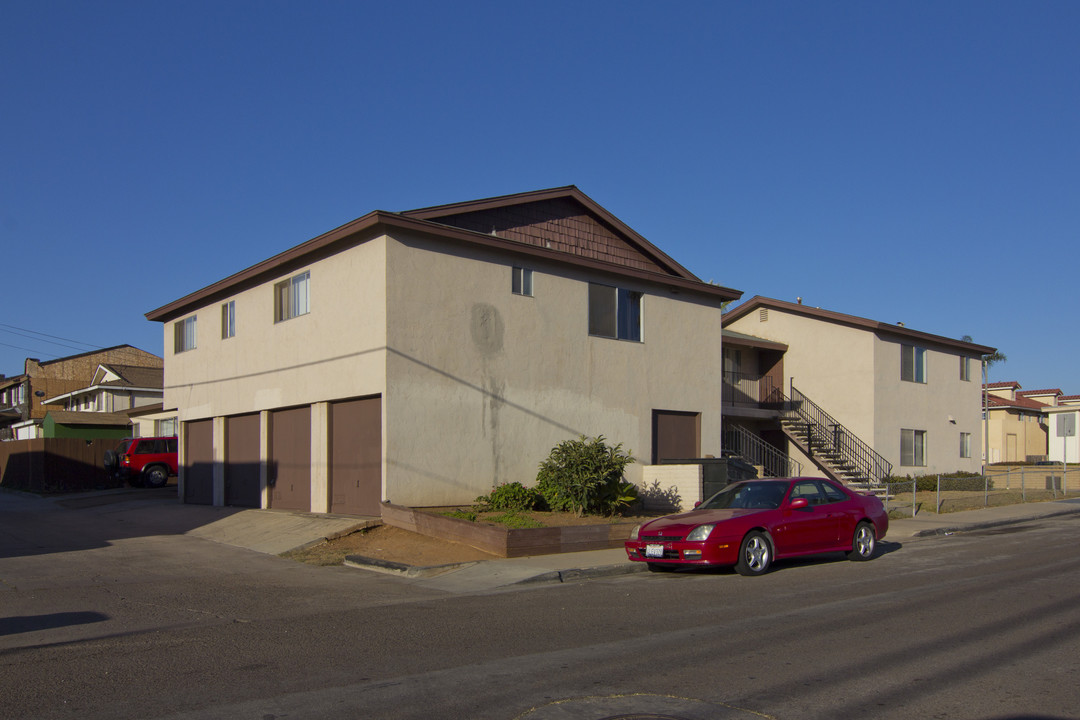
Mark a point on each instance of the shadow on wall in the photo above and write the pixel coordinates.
(654, 497)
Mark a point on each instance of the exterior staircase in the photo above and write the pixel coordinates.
(836, 451)
(769, 461)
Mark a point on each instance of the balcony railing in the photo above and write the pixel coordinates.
(751, 391)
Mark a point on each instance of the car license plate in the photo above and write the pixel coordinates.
(654, 550)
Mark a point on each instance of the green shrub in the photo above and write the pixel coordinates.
(514, 521)
(511, 496)
(585, 475)
(965, 481)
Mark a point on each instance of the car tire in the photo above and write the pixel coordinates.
(863, 542)
(111, 460)
(755, 554)
(155, 476)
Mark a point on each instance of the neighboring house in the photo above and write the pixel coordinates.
(1017, 422)
(424, 357)
(22, 398)
(856, 398)
(105, 407)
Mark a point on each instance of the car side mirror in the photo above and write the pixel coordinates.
(696, 503)
(799, 503)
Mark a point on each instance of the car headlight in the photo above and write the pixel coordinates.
(701, 532)
(636, 530)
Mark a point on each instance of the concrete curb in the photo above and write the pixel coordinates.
(967, 527)
(397, 568)
(561, 576)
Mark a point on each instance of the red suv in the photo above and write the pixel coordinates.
(146, 461)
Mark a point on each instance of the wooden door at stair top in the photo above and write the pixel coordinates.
(676, 435)
(356, 457)
(289, 474)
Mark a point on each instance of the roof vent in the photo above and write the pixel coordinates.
(763, 315)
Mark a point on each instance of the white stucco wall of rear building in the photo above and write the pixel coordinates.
(482, 383)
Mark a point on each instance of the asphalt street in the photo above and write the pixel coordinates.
(104, 619)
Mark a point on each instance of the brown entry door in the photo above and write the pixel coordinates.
(289, 474)
(242, 461)
(199, 462)
(676, 435)
(356, 456)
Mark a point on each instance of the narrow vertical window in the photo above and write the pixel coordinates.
(965, 445)
(522, 282)
(913, 364)
(184, 337)
(228, 319)
(965, 369)
(913, 448)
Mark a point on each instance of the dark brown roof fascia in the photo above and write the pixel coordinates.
(854, 321)
(375, 221)
(569, 191)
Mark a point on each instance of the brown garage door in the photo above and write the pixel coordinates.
(290, 459)
(356, 456)
(199, 462)
(242, 461)
(676, 435)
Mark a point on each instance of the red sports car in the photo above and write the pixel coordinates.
(749, 524)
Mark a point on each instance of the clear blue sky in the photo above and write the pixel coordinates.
(914, 161)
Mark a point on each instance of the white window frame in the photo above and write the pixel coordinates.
(521, 282)
(912, 448)
(228, 320)
(185, 335)
(913, 364)
(615, 312)
(292, 297)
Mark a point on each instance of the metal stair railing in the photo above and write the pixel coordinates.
(754, 450)
(849, 454)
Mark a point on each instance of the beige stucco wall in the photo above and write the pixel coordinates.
(483, 383)
(337, 350)
(854, 375)
(1031, 435)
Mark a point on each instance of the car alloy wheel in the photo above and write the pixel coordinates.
(863, 543)
(755, 554)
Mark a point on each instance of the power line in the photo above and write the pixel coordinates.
(33, 333)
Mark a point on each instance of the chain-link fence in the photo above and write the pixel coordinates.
(1008, 485)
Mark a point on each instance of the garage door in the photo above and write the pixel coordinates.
(676, 435)
(199, 462)
(356, 457)
(289, 474)
(242, 461)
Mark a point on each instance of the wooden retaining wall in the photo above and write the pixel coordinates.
(507, 542)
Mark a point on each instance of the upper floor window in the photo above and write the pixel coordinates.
(614, 312)
(913, 363)
(184, 335)
(228, 319)
(522, 282)
(965, 369)
(291, 297)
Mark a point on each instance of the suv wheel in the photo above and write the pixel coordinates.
(155, 476)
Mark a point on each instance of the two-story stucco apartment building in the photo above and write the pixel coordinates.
(910, 400)
(423, 357)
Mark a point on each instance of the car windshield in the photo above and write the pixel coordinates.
(747, 495)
